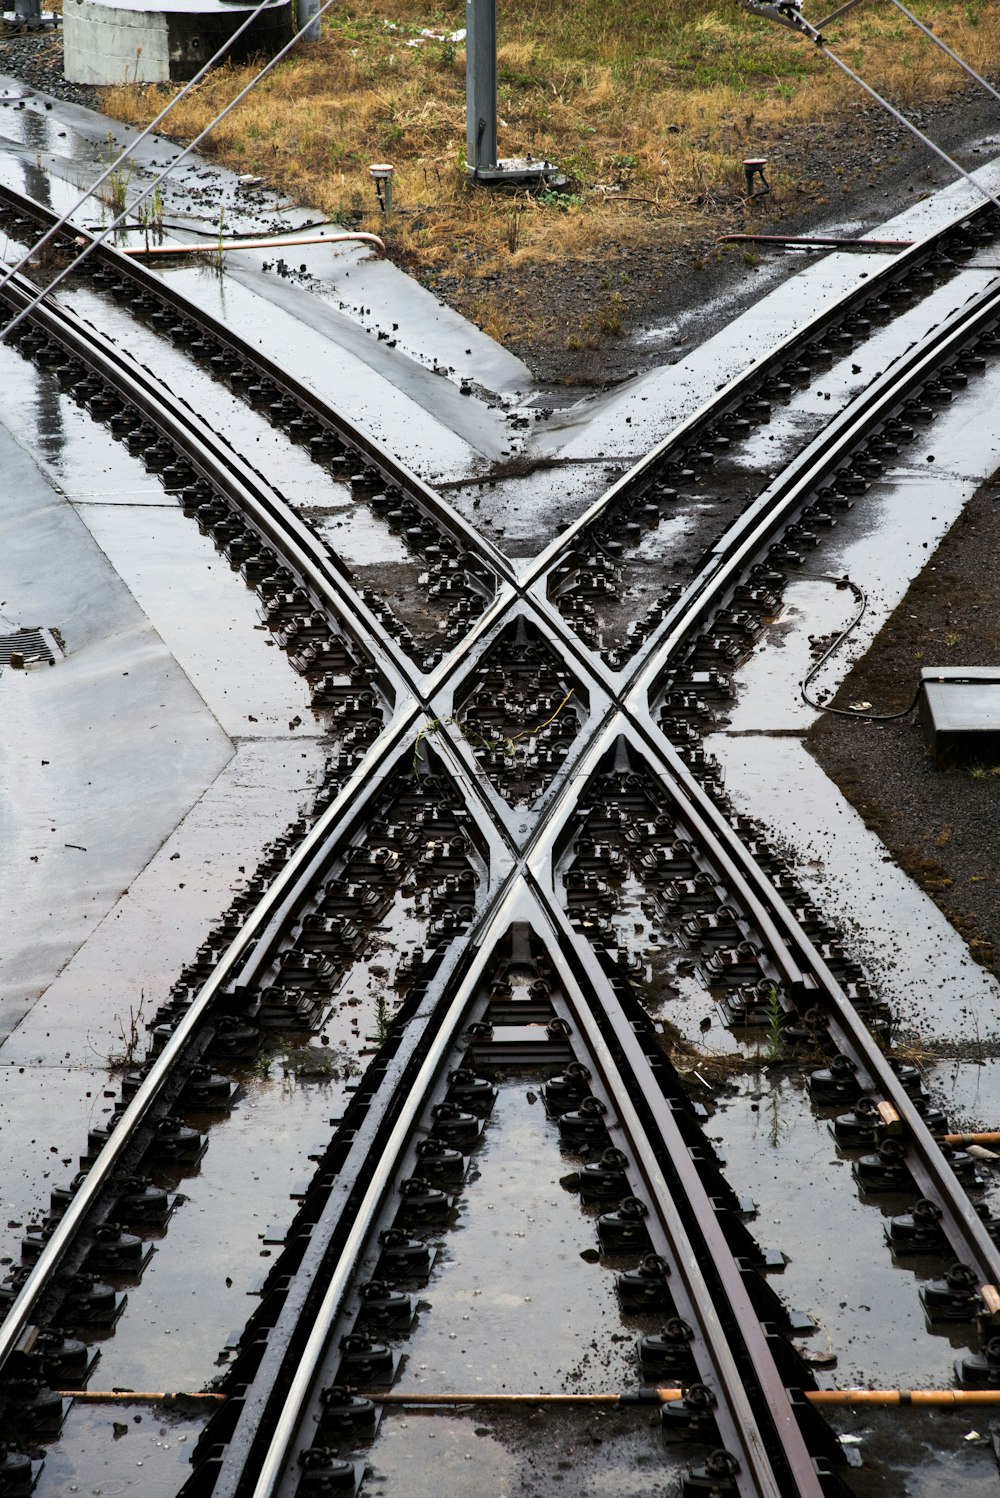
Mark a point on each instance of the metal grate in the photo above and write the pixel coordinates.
(30, 643)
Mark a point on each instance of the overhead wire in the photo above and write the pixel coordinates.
(150, 188)
(115, 165)
(914, 129)
(945, 48)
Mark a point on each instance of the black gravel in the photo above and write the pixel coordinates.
(941, 825)
(36, 58)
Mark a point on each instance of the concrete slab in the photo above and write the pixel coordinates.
(117, 41)
(420, 415)
(207, 619)
(154, 927)
(85, 823)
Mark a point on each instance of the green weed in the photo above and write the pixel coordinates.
(776, 1021)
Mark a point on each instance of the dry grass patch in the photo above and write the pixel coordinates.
(648, 107)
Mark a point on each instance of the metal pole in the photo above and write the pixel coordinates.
(480, 85)
(306, 12)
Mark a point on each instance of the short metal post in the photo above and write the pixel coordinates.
(381, 174)
(754, 167)
(306, 12)
(480, 85)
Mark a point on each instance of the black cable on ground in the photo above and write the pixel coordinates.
(848, 712)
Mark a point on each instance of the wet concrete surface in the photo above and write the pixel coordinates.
(214, 680)
(74, 733)
(196, 1293)
(533, 1315)
(879, 544)
(541, 1453)
(544, 1452)
(922, 1453)
(864, 1302)
(513, 1307)
(119, 1449)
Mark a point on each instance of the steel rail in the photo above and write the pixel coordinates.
(293, 541)
(276, 1468)
(744, 540)
(376, 453)
(503, 608)
(395, 472)
(525, 586)
(333, 828)
(150, 402)
(788, 944)
(736, 389)
(802, 967)
(709, 1270)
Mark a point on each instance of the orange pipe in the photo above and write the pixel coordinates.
(886, 1398)
(837, 1398)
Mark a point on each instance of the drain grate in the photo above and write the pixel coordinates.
(30, 644)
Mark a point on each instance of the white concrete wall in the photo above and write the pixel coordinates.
(105, 44)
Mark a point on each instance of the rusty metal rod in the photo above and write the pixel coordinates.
(886, 1398)
(221, 246)
(655, 1394)
(988, 1136)
(136, 1396)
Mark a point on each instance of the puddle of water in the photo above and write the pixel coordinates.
(535, 1316)
(362, 542)
(131, 957)
(541, 1453)
(118, 1450)
(66, 442)
(679, 1000)
(45, 1113)
(208, 619)
(923, 1453)
(193, 1294)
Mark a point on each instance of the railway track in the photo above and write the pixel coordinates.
(538, 769)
